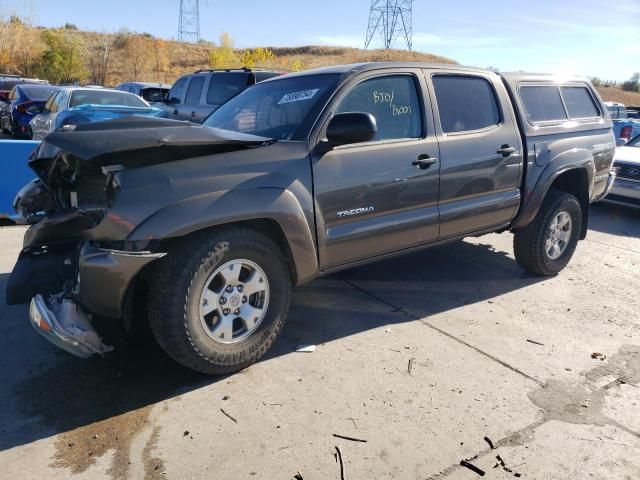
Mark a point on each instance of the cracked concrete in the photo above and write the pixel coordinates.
(497, 353)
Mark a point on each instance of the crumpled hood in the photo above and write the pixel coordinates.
(140, 141)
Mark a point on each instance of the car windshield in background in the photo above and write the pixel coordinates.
(275, 108)
(38, 92)
(105, 97)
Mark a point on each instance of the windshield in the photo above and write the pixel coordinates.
(105, 97)
(38, 92)
(274, 109)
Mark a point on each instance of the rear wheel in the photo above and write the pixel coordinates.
(547, 244)
(219, 300)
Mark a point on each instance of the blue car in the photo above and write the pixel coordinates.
(24, 102)
(624, 127)
(73, 106)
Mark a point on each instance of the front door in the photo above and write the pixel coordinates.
(380, 196)
(480, 152)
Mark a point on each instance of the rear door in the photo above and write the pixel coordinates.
(480, 152)
(190, 110)
(371, 197)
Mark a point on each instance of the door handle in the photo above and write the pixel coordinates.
(505, 150)
(424, 161)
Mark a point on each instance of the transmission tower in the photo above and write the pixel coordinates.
(390, 19)
(189, 23)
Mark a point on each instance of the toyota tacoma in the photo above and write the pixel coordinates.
(202, 230)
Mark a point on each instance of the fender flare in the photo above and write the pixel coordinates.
(219, 208)
(534, 195)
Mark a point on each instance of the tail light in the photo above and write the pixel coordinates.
(626, 132)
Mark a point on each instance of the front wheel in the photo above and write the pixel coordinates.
(220, 299)
(546, 245)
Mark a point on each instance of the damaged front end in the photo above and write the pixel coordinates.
(65, 277)
(66, 271)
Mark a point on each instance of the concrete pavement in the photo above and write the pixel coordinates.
(496, 353)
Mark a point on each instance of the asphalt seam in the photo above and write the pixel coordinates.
(442, 332)
(613, 246)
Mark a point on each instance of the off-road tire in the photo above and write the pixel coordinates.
(529, 242)
(173, 301)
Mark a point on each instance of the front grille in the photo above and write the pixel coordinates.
(629, 171)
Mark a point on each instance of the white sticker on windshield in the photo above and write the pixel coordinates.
(298, 96)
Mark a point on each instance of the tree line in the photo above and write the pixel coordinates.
(66, 56)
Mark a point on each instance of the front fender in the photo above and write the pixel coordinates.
(539, 180)
(219, 208)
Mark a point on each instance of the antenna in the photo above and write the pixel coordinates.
(390, 19)
(189, 21)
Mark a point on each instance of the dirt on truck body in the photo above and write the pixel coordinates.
(209, 227)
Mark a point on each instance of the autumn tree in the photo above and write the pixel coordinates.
(224, 56)
(257, 57)
(62, 60)
(137, 55)
(161, 59)
(98, 54)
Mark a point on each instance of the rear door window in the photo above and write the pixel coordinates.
(392, 100)
(225, 85)
(543, 103)
(579, 102)
(195, 90)
(177, 91)
(465, 103)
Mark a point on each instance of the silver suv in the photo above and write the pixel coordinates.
(195, 96)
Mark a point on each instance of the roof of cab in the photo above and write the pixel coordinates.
(353, 68)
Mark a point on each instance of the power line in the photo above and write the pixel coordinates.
(390, 20)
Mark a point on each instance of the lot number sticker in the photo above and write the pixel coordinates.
(298, 96)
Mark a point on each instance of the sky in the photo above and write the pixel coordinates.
(588, 37)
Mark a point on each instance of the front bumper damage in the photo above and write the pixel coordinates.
(66, 325)
(101, 279)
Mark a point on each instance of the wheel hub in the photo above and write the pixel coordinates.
(234, 301)
(558, 235)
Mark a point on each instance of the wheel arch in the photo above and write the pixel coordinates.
(573, 175)
(576, 182)
(272, 211)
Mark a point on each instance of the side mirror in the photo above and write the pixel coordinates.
(620, 142)
(351, 127)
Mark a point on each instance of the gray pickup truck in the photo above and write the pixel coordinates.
(203, 230)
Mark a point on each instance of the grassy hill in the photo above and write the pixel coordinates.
(70, 55)
(616, 94)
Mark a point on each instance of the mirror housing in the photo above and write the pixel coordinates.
(351, 127)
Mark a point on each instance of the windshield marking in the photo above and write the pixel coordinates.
(298, 96)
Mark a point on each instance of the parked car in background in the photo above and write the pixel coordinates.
(7, 82)
(72, 106)
(150, 92)
(626, 164)
(624, 127)
(25, 101)
(195, 96)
